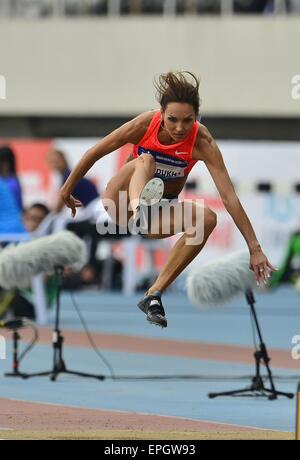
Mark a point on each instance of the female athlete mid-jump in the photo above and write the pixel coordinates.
(167, 143)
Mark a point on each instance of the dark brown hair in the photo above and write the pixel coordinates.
(178, 87)
(7, 156)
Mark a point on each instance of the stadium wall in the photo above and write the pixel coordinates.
(104, 67)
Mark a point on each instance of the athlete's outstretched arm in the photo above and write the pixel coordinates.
(130, 132)
(208, 151)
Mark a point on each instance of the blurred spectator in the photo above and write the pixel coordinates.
(8, 174)
(99, 6)
(100, 274)
(90, 274)
(19, 302)
(10, 214)
(151, 6)
(293, 6)
(44, 8)
(34, 215)
(88, 277)
(251, 6)
(289, 271)
(283, 6)
(87, 193)
(208, 6)
(85, 190)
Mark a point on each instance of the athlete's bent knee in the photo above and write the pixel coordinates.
(148, 162)
(210, 219)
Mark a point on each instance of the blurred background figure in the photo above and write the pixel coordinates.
(10, 214)
(11, 201)
(8, 173)
(77, 8)
(85, 191)
(85, 228)
(19, 302)
(252, 6)
(34, 215)
(289, 270)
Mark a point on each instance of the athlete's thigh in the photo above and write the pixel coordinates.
(176, 217)
(115, 198)
(166, 220)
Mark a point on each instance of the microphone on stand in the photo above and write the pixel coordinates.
(20, 263)
(220, 280)
(216, 283)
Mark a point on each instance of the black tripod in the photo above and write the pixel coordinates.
(15, 372)
(257, 387)
(57, 341)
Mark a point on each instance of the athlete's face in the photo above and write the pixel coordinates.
(178, 119)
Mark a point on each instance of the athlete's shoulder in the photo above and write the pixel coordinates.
(203, 135)
(203, 144)
(140, 124)
(143, 120)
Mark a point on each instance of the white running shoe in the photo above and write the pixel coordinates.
(153, 192)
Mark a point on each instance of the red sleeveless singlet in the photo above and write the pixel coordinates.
(172, 161)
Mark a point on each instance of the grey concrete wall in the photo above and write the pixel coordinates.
(105, 67)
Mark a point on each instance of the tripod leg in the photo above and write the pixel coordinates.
(85, 374)
(58, 362)
(57, 342)
(279, 393)
(229, 393)
(15, 374)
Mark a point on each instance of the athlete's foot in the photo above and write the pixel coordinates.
(152, 306)
(151, 194)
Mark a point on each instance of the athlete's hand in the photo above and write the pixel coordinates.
(261, 266)
(70, 202)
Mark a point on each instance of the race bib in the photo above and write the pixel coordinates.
(167, 167)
